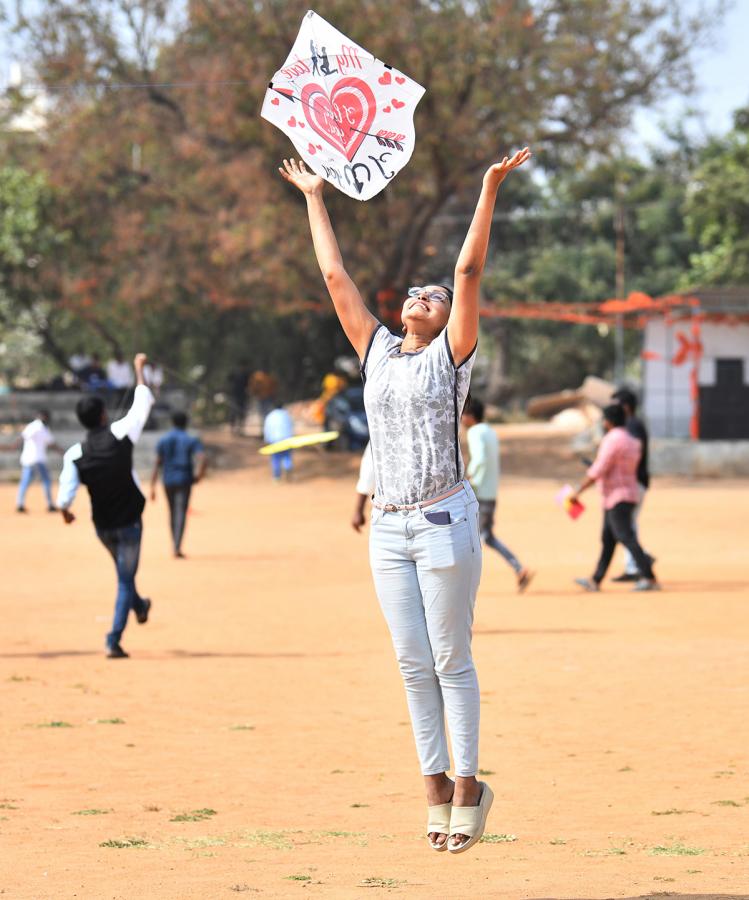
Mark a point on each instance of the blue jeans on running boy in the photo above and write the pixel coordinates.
(27, 476)
(124, 547)
(281, 460)
(426, 577)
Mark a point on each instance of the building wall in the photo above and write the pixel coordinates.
(667, 405)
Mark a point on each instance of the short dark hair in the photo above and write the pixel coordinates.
(614, 413)
(474, 407)
(180, 419)
(625, 397)
(449, 290)
(89, 411)
(43, 413)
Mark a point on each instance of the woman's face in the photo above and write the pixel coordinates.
(426, 309)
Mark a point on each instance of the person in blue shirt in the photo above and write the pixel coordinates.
(183, 459)
(278, 426)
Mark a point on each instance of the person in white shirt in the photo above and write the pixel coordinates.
(483, 473)
(119, 373)
(365, 488)
(104, 463)
(36, 439)
(278, 426)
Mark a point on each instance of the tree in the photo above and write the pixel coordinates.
(27, 245)
(717, 209)
(170, 192)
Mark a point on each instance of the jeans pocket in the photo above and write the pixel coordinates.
(443, 545)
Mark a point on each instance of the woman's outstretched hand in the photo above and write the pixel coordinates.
(497, 173)
(296, 173)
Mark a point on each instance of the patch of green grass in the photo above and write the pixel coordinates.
(671, 812)
(115, 721)
(677, 849)
(616, 851)
(725, 803)
(626, 769)
(556, 842)
(199, 843)
(498, 839)
(486, 772)
(20, 678)
(128, 842)
(7, 806)
(336, 771)
(197, 815)
(298, 877)
(694, 871)
(240, 888)
(274, 840)
(380, 882)
(662, 878)
(54, 724)
(241, 728)
(723, 772)
(359, 805)
(91, 812)
(151, 807)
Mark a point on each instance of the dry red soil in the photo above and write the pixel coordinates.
(264, 692)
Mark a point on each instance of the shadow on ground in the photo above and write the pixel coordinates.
(672, 895)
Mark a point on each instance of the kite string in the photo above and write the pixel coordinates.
(125, 85)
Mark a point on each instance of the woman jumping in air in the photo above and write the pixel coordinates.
(425, 546)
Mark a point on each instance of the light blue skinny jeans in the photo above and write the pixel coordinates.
(27, 476)
(426, 577)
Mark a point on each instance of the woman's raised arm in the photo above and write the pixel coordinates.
(463, 324)
(357, 321)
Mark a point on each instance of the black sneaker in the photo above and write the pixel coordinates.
(52, 509)
(142, 616)
(21, 509)
(626, 576)
(116, 652)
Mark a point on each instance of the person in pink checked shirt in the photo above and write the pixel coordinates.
(615, 470)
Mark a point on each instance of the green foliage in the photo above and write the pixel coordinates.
(184, 243)
(717, 209)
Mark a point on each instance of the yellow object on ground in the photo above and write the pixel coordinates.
(299, 440)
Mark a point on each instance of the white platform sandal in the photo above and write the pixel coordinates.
(471, 820)
(438, 821)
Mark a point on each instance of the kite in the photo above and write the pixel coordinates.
(349, 115)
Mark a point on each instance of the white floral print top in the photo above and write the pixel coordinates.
(413, 403)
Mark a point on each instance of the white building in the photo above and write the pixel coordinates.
(696, 368)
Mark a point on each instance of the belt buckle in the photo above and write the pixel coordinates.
(390, 507)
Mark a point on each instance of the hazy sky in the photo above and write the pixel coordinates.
(722, 74)
(722, 77)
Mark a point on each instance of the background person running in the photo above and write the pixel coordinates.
(483, 473)
(425, 549)
(615, 468)
(182, 457)
(104, 463)
(636, 427)
(36, 439)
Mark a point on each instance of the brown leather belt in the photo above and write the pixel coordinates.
(394, 507)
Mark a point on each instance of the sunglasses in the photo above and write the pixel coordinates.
(439, 296)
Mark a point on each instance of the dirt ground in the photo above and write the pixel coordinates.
(256, 742)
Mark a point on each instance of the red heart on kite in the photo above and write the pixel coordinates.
(384, 78)
(311, 149)
(343, 116)
(400, 79)
(292, 122)
(274, 101)
(386, 109)
(301, 124)
(397, 103)
(319, 147)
